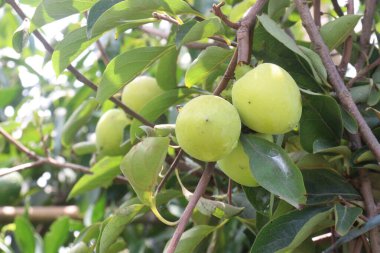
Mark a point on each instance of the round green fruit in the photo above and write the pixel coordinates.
(208, 128)
(109, 132)
(268, 99)
(140, 91)
(10, 187)
(236, 166)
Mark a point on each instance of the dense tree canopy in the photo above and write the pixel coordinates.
(101, 149)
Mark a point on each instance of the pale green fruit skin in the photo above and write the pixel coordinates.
(109, 132)
(268, 99)
(10, 187)
(140, 91)
(236, 166)
(208, 128)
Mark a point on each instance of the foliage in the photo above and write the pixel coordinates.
(308, 177)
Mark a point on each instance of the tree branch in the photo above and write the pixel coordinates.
(363, 72)
(103, 53)
(317, 12)
(346, 56)
(218, 12)
(161, 16)
(170, 170)
(243, 33)
(39, 213)
(199, 190)
(337, 8)
(228, 75)
(347, 102)
(370, 7)
(76, 73)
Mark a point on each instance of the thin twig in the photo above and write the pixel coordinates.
(347, 102)
(363, 72)
(218, 12)
(76, 73)
(18, 145)
(358, 246)
(370, 7)
(162, 16)
(243, 33)
(366, 244)
(103, 53)
(229, 191)
(317, 12)
(346, 56)
(228, 75)
(337, 8)
(199, 190)
(170, 171)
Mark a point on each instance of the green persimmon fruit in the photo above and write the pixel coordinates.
(109, 132)
(140, 91)
(268, 99)
(10, 187)
(208, 128)
(236, 166)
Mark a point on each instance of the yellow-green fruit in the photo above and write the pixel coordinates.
(140, 91)
(10, 187)
(208, 128)
(109, 132)
(236, 166)
(268, 99)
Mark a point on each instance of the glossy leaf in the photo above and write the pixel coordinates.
(24, 235)
(325, 185)
(287, 232)
(21, 36)
(57, 235)
(321, 123)
(207, 62)
(76, 120)
(103, 171)
(274, 170)
(142, 173)
(336, 32)
(167, 70)
(108, 16)
(192, 238)
(259, 198)
(204, 29)
(349, 122)
(370, 224)
(67, 50)
(125, 67)
(345, 218)
(157, 106)
(51, 10)
(114, 225)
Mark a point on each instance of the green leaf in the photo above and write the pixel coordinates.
(167, 70)
(107, 16)
(103, 171)
(279, 34)
(325, 185)
(345, 218)
(274, 170)
(125, 67)
(349, 122)
(76, 120)
(336, 32)
(24, 235)
(8, 94)
(157, 106)
(115, 225)
(316, 62)
(57, 235)
(276, 8)
(239, 9)
(371, 223)
(67, 50)
(21, 36)
(321, 123)
(204, 29)
(287, 232)
(259, 198)
(51, 10)
(142, 173)
(192, 238)
(208, 61)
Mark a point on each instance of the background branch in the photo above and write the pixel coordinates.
(346, 56)
(337, 8)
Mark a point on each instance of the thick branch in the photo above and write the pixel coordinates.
(77, 74)
(317, 12)
(370, 7)
(201, 188)
(345, 99)
(243, 33)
